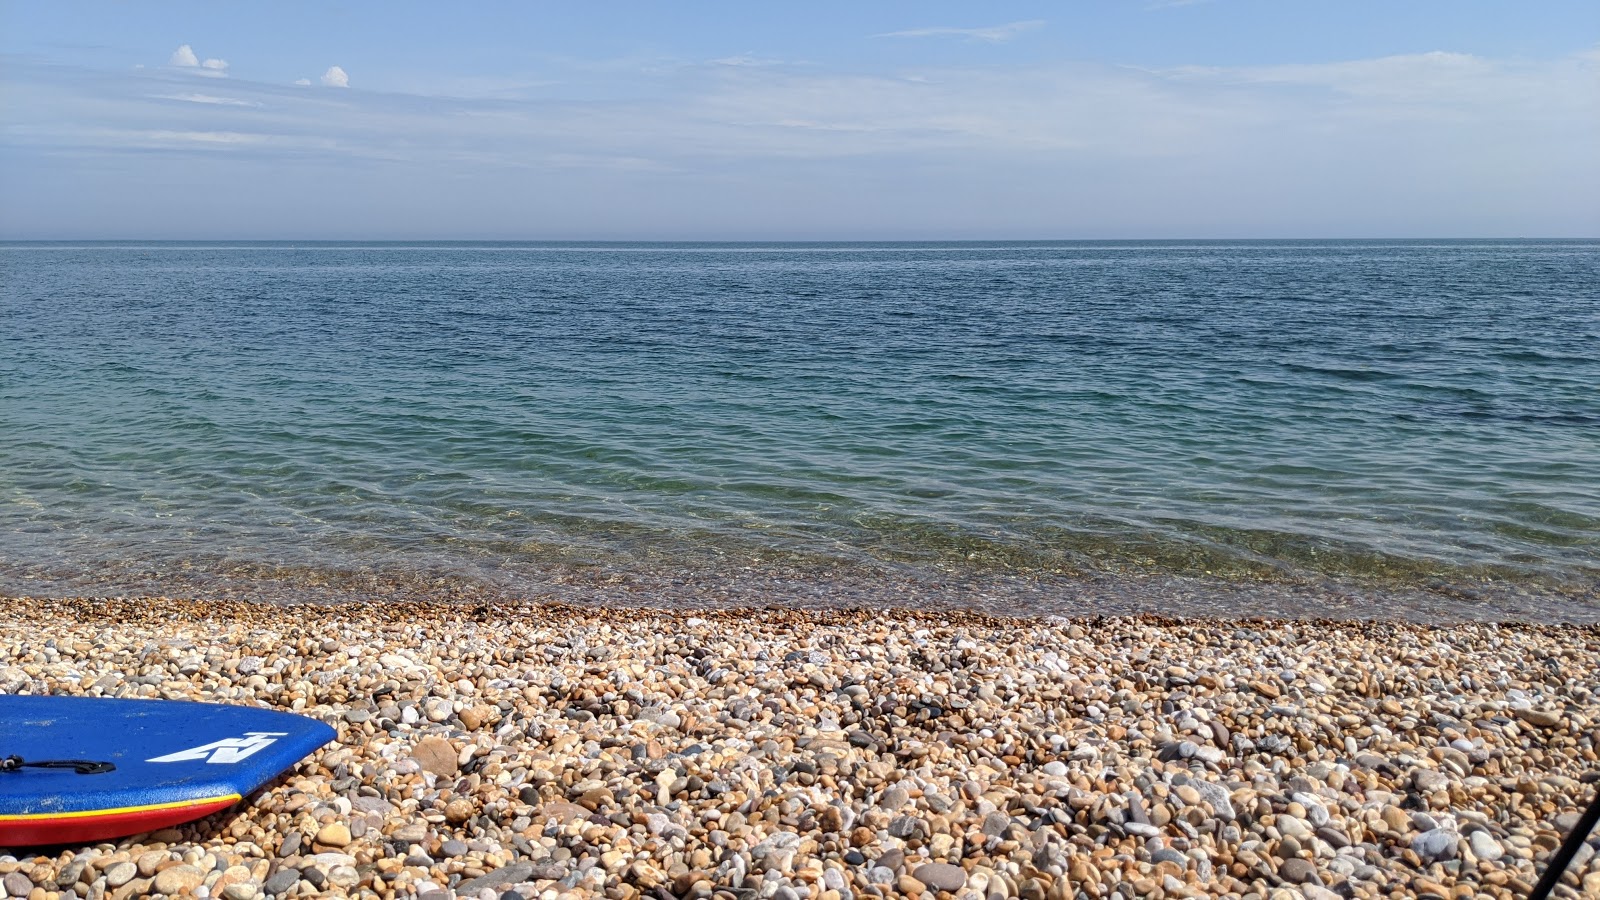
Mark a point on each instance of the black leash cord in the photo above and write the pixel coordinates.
(81, 766)
(1569, 849)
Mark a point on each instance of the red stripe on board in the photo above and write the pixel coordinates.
(84, 829)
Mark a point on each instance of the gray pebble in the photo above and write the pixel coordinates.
(281, 881)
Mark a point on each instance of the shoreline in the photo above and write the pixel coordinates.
(951, 590)
(751, 754)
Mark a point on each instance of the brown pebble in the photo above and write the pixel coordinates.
(438, 756)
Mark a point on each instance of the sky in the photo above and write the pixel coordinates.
(805, 121)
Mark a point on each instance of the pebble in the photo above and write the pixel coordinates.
(1542, 718)
(281, 881)
(1484, 846)
(941, 876)
(556, 753)
(119, 874)
(333, 834)
(178, 879)
(1297, 871)
(1437, 843)
(436, 755)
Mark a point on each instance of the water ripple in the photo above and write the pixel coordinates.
(1409, 410)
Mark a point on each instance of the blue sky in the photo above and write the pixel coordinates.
(1211, 118)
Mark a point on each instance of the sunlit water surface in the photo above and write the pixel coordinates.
(1024, 424)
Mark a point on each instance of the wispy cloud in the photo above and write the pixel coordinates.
(1326, 143)
(994, 34)
(201, 137)
(746, 59)
(207, 98)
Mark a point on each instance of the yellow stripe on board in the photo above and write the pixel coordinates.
(88, 813)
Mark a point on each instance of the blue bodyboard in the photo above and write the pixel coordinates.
(83, 769)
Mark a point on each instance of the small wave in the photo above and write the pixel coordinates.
(1364, 375)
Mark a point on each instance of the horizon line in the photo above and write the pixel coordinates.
(807, 240)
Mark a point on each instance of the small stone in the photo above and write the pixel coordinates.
(1437, 844)
(1293, 826)
(1396, 819)
(459, 810)
(910, 886)
(1484, 846)
(178, 879)
(1333, 837)
(240, 890)
(1297, 871)
(436, 755)
(333, 834)
(411, 833)
(498, 878)
(941, 876)
(438, 709)
(893, 799)
(281, 881)
(16, 884)
(595, 798)
(1541, 718)
(120, 874)
(1168, 855)
(344, 877)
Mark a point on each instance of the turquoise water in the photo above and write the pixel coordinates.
(1419, 413)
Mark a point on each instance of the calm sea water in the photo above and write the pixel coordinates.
(1411, 413)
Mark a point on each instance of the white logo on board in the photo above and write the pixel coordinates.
(227, 750)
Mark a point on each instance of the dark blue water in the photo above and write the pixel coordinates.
(1411, 413)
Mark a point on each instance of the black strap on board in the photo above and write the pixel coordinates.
(81, 766)
(1569, 849)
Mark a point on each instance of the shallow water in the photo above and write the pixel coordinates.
(1410, 414)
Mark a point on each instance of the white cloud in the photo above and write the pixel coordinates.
(202, 137)
(335, 77)
(303, 82)
(994, 34)
(184, 56)
(206, 98)
(216, 65)
(745, 59)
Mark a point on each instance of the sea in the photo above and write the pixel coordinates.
(1344, 429)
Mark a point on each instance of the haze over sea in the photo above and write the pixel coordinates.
(1385, 428)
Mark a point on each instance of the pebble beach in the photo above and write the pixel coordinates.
(519, 750)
